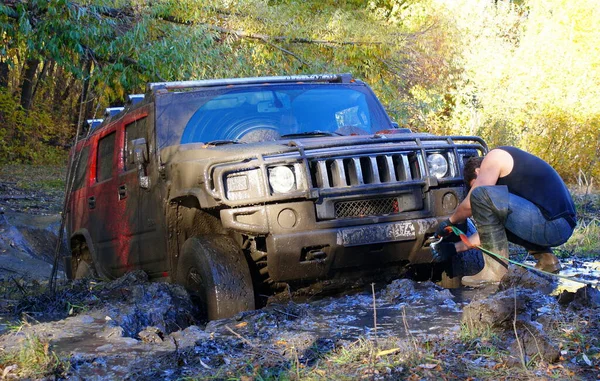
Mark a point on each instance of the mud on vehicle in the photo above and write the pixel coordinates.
(234, 187)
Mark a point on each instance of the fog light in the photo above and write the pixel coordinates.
(287, 218)
(449, 203)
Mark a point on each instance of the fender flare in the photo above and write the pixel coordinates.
(88, 240)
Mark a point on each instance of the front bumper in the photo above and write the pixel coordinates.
(300, 248)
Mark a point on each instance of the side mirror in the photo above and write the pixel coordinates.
(138, 152)
(395, 125)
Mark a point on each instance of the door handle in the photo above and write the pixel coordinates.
(122, 191)
(92, 202)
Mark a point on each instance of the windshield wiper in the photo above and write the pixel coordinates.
(311, 133)
(222, 142)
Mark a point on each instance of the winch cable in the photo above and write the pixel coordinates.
(463, 237)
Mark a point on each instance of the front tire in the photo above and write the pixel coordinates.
(215, 271)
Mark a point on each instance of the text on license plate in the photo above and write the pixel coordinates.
(397, 231)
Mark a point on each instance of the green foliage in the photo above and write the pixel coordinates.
(524, 73)
(25, 137)
(530, 78)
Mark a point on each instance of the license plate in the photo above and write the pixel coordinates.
(397, 231)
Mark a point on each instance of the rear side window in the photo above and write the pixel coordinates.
(133, 131)
(106, 148)
(81, 170)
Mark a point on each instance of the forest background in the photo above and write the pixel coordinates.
(523, 73)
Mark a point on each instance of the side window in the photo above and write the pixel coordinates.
(106, 148)
(81, 170)
(133, 131)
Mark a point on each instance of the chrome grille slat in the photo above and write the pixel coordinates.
(390, 170)
(407, 175)
(366, 169)
(358, 171)
(322, 177)
(339, 175)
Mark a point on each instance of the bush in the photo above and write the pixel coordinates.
(29, 137)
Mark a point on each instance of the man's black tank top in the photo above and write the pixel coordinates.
(535, 180)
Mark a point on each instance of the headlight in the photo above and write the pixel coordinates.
(438, 165)
(282, 179)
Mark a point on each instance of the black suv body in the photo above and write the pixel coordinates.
(229, 185)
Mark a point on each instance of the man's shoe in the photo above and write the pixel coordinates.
(546, 261)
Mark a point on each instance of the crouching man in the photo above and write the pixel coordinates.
(514, 196)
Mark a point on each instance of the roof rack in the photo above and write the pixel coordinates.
(112, 111)
(331, 78)
(135, 98)
(93, 123)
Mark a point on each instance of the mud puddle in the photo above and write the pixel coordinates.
(585, 269)
(404, 308)
(132, 330)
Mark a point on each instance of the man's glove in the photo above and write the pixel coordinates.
(443, 251)
(441, 229)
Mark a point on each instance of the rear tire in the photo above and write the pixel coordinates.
(82, 265)
(215, 272)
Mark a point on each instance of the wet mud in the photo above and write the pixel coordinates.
(133, 329)
(137, 330)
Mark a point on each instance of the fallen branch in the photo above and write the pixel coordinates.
(246, 341)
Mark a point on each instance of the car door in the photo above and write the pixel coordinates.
(108, 226)
(77, 210)
(143, 201)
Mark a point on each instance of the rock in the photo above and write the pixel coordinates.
(128, 341)
(534, 343)
(132, 278)
(151, 335)
(518, 276)
(110, 332)
(86, 319)
(499, 310)
(398, 290)
(105, 348)
(565, 297)
(189, 336)
(586, 297)
(406, 290)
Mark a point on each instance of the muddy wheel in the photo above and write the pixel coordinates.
(82, 264)
(84, 270)
(215, 272)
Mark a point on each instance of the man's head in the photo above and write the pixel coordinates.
(471, 169)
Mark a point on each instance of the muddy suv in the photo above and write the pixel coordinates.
(236, 185)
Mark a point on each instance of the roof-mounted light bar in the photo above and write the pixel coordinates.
(331, 78)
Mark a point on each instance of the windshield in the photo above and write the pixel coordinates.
(267, 112)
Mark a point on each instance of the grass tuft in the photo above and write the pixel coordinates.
(33, 360)
(585, 240)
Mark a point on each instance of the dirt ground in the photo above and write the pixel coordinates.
(527, 328)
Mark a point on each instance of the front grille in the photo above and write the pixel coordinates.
(367, 169)
(362, 208)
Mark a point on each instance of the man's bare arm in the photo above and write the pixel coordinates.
(497, 163)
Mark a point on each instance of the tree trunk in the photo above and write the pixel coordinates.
(31, 67)
(82, 101)
(40, 79)
(4, 74)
